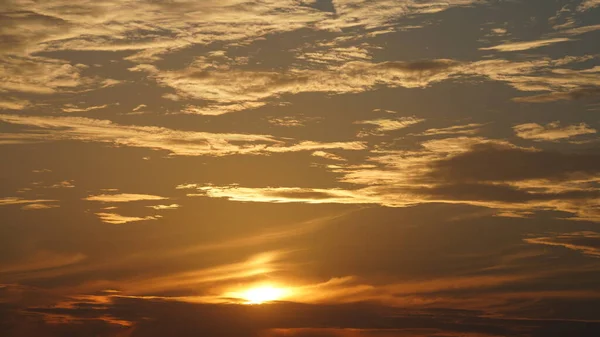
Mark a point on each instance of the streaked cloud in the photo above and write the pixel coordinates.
(328, 155)
(20, 201)
(468, 129)
(13, 104)
(42, 260)
(561, 96)
(386, 125)
(123, 197)
(589, 4)
(117, 219)
(552, 131)
(36, 206)
(182, 143)
(228, 89)
(587, 243)
(525, 45)
(165, 207)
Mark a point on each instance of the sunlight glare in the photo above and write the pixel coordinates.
(263, 294)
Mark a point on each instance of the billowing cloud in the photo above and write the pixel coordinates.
(552, 131)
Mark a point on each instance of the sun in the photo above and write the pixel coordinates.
(263, 294)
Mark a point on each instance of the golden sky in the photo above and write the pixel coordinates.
(299, 168)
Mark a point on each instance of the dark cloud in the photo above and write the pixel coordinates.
(561, 96)
(425, 66)
(152, 318)
(504, 193)
(497, 163)
(585, 242)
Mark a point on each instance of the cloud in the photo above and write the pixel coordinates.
(37, 206)
(228, 89)
(588, 4)
(386, 125)
(13, 104)
(42, 260)
(182, 143)
(572, 95)
(464, 170)
(587, 243)
(73, 108)
(283, 195)
(526, 45)
(164, 207)
(40, 75)
(468, 129)
(123, 197)
(328, 155)
(20, 201)
(552, 131)
(116, 219)
(495, 163)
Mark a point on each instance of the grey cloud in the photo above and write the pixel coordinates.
(494, 163)
(576, 94)
(587, 243)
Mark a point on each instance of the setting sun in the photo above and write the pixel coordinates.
(263, 294)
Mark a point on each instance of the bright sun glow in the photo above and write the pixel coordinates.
(263, 294)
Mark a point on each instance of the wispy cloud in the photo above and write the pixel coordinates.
(117, 219)
(165, 207)
(552, 131)
(468, 129)
(525, 45)
(585, 242)
(20, 201)
(183, 143)
(386, 125)
(464, 170)
(123, 197)
(328, 155)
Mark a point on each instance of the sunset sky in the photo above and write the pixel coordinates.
(299, 168)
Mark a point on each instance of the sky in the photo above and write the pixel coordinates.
(299, 168)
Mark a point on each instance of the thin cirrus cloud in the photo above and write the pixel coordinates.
(385, 125)
(552, 131)
(344, 153)
(227, 89)
(165, 207)
(525, 45)
(117, 219)
(474, 171)
(587, 243)
(123, 197)
(182, 143)
(29, 204)
(468, 129)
